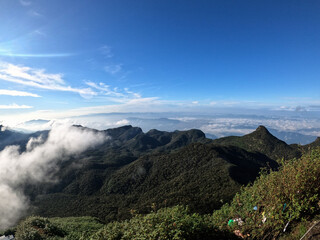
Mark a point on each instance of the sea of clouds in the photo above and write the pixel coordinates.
(295, 127)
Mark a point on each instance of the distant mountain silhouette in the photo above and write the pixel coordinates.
(36, 121)
(11, 137)
(292, 137)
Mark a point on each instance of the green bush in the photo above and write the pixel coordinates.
(78, 227)
(290, 194)
(37, 228)
(166, 223)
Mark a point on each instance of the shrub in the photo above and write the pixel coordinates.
(37, 228)
(166, 223)
(290, 194)
(78, 227)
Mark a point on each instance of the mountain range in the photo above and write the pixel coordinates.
(137, 170)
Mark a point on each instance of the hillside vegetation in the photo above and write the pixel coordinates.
(166, 223)
(135, 169)
(269, 208)
(275, 200)
(203, 176)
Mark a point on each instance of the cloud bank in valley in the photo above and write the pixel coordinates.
(295, 127)
(38, 163)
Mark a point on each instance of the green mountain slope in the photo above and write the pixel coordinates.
(135, 170)
(262, 141)
(202, 176)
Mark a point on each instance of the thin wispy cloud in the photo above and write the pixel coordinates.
(38, 78)
(113, 68)
(136, 95)
(105, 89)
(34, 13)
(40, 33)
(17, 93)
(35, 55)
(125, 96)
(25, 3)
(15, 106)
(151, 104)
(106, 51)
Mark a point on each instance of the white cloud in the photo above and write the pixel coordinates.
(17, 93)
(136, 95)
(34, 13)
(25, 3)
(113, 68)
(223, 126)
(115, 95)
(39, 32)
(105, 89)
(127, 105)
(106, 51)
(36, 55)
(15, 106)
(38, 164)
(38, 78)
(122, 122)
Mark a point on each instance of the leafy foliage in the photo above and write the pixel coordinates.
(78, 227)
(37, 228)
(290, 194)
(167, 223)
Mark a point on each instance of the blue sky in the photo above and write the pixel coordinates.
(66, 58)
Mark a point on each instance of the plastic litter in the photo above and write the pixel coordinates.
(264, 218)
(238, 233)
(284, 207)
(231, 222)
(239, 221)
(255, 208)
(285, 228)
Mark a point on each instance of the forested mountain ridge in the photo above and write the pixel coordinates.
(134, 169)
